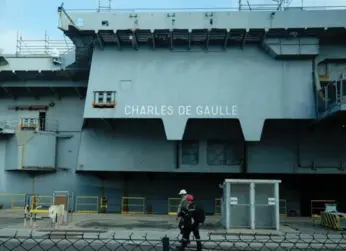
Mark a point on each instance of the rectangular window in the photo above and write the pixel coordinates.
(100, 98)
(28, 123)
(219, 153)
(189, 152)
(104, 99)
(109, 98)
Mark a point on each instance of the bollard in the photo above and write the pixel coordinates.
(165, 244)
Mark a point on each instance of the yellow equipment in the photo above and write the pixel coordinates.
(38, 204)
(317, 207)
(173, 204)
(103, 204)
(132, 205)
(335, 221)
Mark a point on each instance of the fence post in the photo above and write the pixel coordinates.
(165, 244)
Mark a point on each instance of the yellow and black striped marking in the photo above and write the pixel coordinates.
(335, 221)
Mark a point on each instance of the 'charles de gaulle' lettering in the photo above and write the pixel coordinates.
(181, 110)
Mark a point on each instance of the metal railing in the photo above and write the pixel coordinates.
(283, 208)
(42, 48)
(12, 201)
(98, 241)
(132, 205)
(241, 6)
(48, 125)
(332, 96)
(244, 8)
(8, 124)
(87, 204)
(173, 204)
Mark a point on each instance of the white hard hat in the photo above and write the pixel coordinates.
(182, 191)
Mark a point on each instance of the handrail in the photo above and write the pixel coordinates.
(48, 125)
(254, 7)
(42, 47)
(333, 94)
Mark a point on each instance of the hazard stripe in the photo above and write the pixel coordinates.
(332, 221)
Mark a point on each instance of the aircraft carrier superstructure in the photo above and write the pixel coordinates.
(145, 103)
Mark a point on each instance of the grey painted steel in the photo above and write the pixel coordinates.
(226, 201)
(252, 205)
(217, 79)
(201, 20)
(140, 146)
(293, 46)
(279, 138)
(262, 89)
(44, 84)
(277, 205)
(33, 63)
(33, 148)
(252, 198)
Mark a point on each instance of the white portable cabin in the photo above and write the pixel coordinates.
(252, 204)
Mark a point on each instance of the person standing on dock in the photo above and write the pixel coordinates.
(181, 206)
(192, 217)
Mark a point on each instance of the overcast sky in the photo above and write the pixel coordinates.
(33, 17)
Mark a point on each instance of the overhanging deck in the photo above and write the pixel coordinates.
(199, 20)
(179, 30)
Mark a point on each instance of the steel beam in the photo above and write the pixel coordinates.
(153, 39)
(134, 40)
(207, 40)
(48, 84)
(332, 18)
(117, 39)
(228, 34)
(99, 40)
(244, 39)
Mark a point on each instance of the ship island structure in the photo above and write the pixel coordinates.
(136, 105)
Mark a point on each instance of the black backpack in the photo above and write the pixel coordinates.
(199, 216)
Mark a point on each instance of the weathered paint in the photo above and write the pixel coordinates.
(292, 18)
(274, 100)
(246, 82)
(140, 145)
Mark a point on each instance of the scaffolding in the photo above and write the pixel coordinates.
(43, 47)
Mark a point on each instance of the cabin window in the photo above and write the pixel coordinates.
(100, 98)
(109, 98)
(219, 153)
(189, 152)
(104, 99)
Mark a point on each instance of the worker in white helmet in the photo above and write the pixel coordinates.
(182, 204)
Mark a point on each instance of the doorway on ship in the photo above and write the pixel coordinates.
(42, 120)
(61, 200)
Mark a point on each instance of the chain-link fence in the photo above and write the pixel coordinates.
(71, 241)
